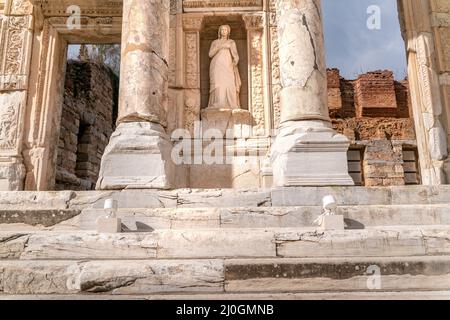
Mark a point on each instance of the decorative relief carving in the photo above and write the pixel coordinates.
(57, 8)
(192, 109)
(21, 7)
(274, 63)
(431, 102)
(192, 67)
(255, 24)
(276, 80)
(175, 6)
(192, 26)
(192, 23)
(8, 126)
(172, 56)
(191, 5)
(255, 21)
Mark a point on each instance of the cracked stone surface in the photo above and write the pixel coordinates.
(226, 243)
(335, 274)
(114, 277)
(144, 72)
(302, 60)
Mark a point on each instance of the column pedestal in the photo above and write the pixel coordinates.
(307, 151)
(137, 157)
(139, 153)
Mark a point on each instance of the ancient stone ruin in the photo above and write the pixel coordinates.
(202, 169)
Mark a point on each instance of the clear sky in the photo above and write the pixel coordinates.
(352, 47)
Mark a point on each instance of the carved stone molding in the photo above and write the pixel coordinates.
(221, 5)
(89, 8)
(18, 7)
(255, 24)
(254, 20)
(10, 105)
(99, 29)
(192, 25)
(16, 36)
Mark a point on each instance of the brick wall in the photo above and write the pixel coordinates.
(375, 115)
(87, 122)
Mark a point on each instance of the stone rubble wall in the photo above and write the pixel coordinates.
(87, 122)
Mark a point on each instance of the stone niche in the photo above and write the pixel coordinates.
(208, 34)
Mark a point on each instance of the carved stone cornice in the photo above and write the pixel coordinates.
(92, 30)
(89, 8)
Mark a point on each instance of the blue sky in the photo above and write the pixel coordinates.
(353, 48)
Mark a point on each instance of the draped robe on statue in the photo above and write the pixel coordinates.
(225, 83)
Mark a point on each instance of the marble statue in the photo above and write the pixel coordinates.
(224, 74)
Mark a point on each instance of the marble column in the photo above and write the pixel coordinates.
(138, 155)
(307, 151)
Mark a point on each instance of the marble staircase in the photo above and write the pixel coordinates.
(227, 244)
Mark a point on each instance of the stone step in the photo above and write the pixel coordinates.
(351, 295)
(194, 198)
(145, 220)
(337, 274)
(357, 217)
(248, 276)
(226, 243)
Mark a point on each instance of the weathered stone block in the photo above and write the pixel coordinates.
(109, 225)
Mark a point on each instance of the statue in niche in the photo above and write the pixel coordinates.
(225, 81)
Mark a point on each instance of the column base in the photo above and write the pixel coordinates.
(310, 154)
(138, 157)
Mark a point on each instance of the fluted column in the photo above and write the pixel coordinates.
(307, 151)
(138, 155)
